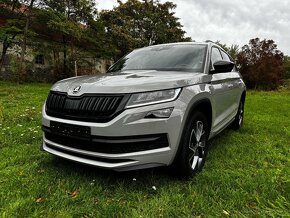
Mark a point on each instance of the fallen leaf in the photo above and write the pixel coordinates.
(96, 200)
(226, 212)
(39, 200)
(73, 194)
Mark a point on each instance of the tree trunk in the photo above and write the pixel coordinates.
(6, 45)
(23, 52)
(14, 4)
(3, 53)
(24, 43)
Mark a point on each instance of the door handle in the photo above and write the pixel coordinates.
(230, 86)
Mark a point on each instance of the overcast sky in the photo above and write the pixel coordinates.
(231, 21)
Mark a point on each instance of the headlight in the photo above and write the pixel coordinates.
(147, 98)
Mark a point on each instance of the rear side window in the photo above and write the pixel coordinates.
(215, 55)
(225, 56)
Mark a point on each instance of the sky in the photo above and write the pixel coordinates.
(231, 21)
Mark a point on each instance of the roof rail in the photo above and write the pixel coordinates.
(209, 41)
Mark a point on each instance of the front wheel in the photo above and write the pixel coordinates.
(193, 147)
(239, 119)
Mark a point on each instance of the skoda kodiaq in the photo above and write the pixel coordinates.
(157, 106)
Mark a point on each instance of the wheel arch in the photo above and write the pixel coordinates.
(203, 105)
(243, 97)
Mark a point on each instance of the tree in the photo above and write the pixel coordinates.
(74, 21)
(27, 14)
(16, 30)
(233, 50)
(287, 66)
(8, 35)
(12, 27)
(261, 64)
(136, 24)
(67, 28)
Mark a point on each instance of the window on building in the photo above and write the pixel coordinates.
(39, 59)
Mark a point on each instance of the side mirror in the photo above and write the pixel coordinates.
(222, 67)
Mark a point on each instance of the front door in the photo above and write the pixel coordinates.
(223, 94)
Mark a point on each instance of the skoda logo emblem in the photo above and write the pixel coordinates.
(76, 89)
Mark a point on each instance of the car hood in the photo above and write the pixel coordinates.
(129, 82)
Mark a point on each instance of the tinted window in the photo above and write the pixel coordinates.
(215, 55)
(164, 57)
(225, 56)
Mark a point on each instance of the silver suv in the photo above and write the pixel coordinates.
(157, 106)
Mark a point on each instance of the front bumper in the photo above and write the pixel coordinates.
(124, 143)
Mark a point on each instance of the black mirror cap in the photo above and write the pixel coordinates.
(223, 66)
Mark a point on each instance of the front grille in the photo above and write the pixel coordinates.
(91, 108)
(108, 145)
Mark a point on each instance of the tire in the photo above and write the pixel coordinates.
(193, 148)
(239, 119)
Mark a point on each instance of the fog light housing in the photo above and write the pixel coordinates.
(161, 113)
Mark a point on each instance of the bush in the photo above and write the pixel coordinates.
(261, 64)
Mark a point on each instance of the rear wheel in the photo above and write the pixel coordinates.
(194, 146)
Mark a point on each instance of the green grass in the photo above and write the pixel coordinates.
(247, 173)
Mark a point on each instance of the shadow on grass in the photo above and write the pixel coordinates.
(216, 141)
(224, 136)
(162, 176)
(143, 179)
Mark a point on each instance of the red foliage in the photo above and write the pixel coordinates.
(261, 64)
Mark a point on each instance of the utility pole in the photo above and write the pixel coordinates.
(76, 69)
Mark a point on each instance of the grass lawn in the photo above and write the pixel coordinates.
(247, 173)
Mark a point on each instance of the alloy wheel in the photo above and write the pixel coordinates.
(241, 114)
(197, 144)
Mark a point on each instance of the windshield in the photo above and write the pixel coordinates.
(176, 57)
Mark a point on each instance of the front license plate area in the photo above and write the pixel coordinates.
(70, 130)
